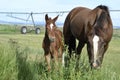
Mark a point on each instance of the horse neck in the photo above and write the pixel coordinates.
(46, 35)
(46, 38)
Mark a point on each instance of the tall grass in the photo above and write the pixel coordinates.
(16, 29)
(8, 66)
(17, 63)
(22, 58)
(9, 29)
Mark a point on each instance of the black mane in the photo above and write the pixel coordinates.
(100, 21)
(103, 18)
(103, 7)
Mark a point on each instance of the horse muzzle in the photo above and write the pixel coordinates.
(52, 39)
(96, 64)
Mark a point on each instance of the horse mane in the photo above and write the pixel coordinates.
(103, 7)
(100, 21)
(103, 18)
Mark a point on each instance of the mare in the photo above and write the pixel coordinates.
(89, 26)
(52, 42)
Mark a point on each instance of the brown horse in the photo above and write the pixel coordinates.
(91, 27)
(52, 43)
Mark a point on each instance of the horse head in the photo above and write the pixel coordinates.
(99, 36)
(50, 27)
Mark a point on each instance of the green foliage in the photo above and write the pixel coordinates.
(9, 29)
(16, 29)
(8, 67)
(22, 58)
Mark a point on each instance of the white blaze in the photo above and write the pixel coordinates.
(95, 47)
(51, 25)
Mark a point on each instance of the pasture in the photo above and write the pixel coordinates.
(22, 58)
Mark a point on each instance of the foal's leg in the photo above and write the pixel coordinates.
(47, 58)
(55, 55)
(62, 56)
(61, 52)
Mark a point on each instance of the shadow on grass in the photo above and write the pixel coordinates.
(24, 71)
(24, 67)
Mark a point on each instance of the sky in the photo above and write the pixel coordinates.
(55, 5)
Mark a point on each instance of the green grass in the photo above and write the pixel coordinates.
(16, 29)
(9, 29)
(22, 58)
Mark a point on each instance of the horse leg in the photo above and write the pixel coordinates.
(62, 56)
(55, 55)
(60, 51)
(47, 58)
(72, 45)
(79, 49)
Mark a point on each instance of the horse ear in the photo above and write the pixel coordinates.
(46, 17)
(56, 18)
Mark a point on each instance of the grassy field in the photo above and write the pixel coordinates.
(22, 58)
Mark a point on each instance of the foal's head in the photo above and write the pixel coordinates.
(50, 27)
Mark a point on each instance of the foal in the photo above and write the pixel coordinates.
(52, 42)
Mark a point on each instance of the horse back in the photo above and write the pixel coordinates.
(75, 23)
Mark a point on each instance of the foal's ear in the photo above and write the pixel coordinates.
(46, 17)
(56, 18)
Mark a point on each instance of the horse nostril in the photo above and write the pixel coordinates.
(95, 65)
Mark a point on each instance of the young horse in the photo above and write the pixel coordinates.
(52, 43)
(93, 27)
